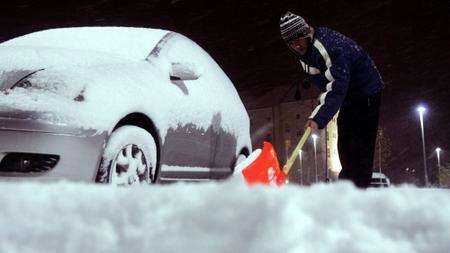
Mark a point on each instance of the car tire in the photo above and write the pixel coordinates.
(129, 158)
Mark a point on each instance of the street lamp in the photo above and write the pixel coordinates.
(300, 156)
(421, 109)
(315, 137)
(438, 152)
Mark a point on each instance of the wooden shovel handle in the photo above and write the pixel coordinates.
(294, 154)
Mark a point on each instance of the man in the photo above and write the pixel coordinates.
(350, 83)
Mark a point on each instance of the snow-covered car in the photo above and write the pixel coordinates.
(116, 105)
(379, 180)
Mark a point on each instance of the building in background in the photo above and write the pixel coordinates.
(283, 126)
(444, 176)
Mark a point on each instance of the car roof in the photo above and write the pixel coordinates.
(125, 42)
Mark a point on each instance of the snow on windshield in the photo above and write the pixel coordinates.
(222, 217)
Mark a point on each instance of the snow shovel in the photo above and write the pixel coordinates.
(265, 169)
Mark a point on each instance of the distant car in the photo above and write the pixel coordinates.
(380, 180)
(116, 105)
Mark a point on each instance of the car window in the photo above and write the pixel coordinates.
(177, 49)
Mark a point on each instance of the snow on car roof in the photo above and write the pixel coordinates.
(125, 42)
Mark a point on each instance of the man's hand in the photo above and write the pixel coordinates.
(312, 124)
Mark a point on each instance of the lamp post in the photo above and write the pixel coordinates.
(438, 152)
(380, 135)
(315, 137)
(300, 157)
(422, 110)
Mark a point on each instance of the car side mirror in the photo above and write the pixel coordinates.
(184, 71)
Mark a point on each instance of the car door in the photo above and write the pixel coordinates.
(188, 146)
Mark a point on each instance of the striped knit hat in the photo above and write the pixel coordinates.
(293, 27)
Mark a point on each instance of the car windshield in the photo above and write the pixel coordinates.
(9, 79)
(39, 80)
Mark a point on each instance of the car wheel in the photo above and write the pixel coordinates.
(129, 158)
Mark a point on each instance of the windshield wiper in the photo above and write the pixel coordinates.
(22, 80)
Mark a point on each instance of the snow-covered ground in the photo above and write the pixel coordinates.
(222, 217)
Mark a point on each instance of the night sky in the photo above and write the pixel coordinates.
(408, 40)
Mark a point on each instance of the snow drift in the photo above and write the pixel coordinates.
(222, 217)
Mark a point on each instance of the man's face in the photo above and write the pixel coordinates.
(299, 45)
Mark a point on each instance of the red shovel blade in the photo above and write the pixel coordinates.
(265, 169)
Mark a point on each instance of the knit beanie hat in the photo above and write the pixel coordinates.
(293, 27)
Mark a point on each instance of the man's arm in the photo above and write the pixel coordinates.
(338, 76)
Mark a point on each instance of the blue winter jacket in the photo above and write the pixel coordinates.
(341, 70)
